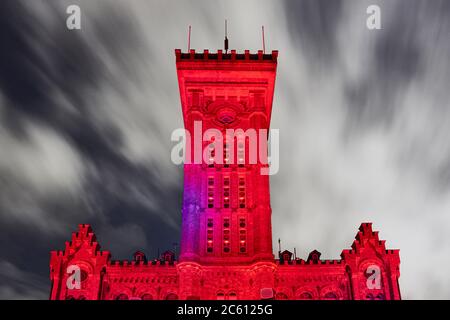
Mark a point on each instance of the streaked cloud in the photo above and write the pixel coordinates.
(86, 118)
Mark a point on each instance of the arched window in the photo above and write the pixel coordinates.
(242, 236)
(369, 296)
(220, 296)
(147, 296)
(211, 192)
(226, 235)
(73, 298)
(171, 296)
(209, 236)
(372, 276)
(241, 152)
(232, 296)
(241, 189)
(139, 256)
(306, 296)
(212, 155)
(122, 296)
(226, 155)
(380, 296)
(331, 296)
(84, 275)
(226, 192)
(281, 296)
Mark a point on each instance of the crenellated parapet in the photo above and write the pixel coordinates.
(140, 280)
(219, 56)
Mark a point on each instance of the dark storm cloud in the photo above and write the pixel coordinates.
(40, 62)
(40, 65)
(399, 57)
(397, 52)
(375, 142)
(396, 61)
(27, 285)
(312, 24)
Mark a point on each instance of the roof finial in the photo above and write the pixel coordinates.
(189, 39)
(226, 38)
(175, 247)
(264, 42)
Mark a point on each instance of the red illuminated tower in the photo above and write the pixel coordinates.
(226, 209)
(226, 242)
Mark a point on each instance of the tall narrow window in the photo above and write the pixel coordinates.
(226, 155)
(210, 192)
(195, 99)
(226, 192)
(242, 235)
(211, 155)
(258, 99)
(209, 236)
(226, 235)
(241, 153)
(241, 192)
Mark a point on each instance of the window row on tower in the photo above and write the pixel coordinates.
(253, 98)
(226, 235)
(227, 155)
(213, 191)
(210, 236)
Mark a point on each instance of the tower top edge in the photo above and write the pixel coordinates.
(232, 55)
